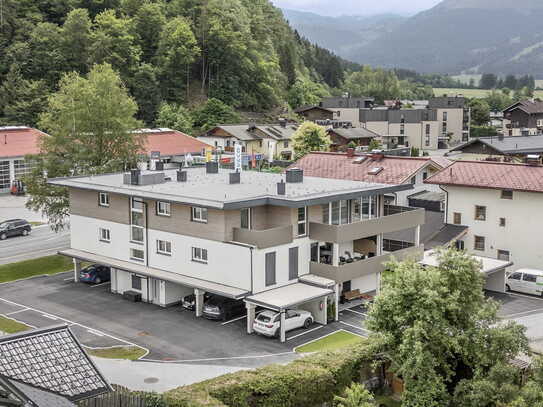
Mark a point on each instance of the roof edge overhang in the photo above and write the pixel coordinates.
(288, 305)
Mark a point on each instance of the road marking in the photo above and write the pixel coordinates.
(216, 359)
(69, 279)
(49, 316)
(356, 312)
(521, 314)
(92, 331)
(305, 333)
(354, 326)
(234, 320)
(16, 312)
(98, 285)
(51, 250)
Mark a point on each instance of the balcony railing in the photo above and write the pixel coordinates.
(395, 218)
(264, 238)
(361, 268)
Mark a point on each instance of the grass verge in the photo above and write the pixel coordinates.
(472, 93)
(334, 341)
(387, 401)
(34, 223)
(35, 267)
(118, 352)
(10, 326)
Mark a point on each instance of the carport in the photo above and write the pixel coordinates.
(312, 297)
(494, 270)
(200, 286)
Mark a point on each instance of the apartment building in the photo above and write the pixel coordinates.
(500, 206)
(454, 117)
(524, 118)
(275, 240)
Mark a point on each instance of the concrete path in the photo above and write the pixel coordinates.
(12, 207)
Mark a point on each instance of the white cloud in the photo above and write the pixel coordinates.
(357, 7)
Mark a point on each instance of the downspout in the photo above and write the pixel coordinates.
(147, 246)
(251, 250)
(446, 204)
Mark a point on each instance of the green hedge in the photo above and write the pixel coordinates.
(306, 382)
(483, 131)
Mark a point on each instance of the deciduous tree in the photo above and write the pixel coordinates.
(310, 137)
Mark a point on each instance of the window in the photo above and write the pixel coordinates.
(515, 276)
(246, 221)
(4, 175)
(424, 175)
(137, 254)
(270, 269)
(479, 243)
(402, 129)
(413, 180)
(529, 278)
(326, 214)
(163, 208)
(199, 254)
(104, 235)
(445, 114)
(302, 221)
(136, 220)
(163, 247)
(292, 263)
(457, 218)
(103, 199)
(199, 214)
(459, 244)
(285, 144)
(136, 282)
(507, 194)
(503, 255)
(480, 212)
(427, 136)
(502, 222)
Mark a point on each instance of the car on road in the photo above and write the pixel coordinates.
(14, 227)
(222, 308)
(268, 323)
(527, 281)
(95, 274)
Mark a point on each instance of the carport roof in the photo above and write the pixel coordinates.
(208, 286)
(288, 296)
(489, 265)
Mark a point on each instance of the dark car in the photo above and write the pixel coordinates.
(95, 274)
(223, 308)
(189, 301)
(14, 227)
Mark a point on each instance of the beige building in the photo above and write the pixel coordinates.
(454, 118)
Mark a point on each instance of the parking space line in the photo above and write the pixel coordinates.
(69, 279)
(49, 316)
(522, 314)
(354, 326)
(98, 285)
(16, 312)
(305, 333)
(356, 312)
(92, 331)
(234, 320)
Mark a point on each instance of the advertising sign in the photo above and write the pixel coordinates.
(237, 157)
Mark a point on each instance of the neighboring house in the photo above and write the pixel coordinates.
(265, 139)
(248, 235)
(341, 137)
(500, 206)
(408, 127)
(16, 142)
(454, 117)
(47, 367)
(346, 102)
(315, 113)
(524, 118)
(500, 148)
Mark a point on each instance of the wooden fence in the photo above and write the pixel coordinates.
(120, 397)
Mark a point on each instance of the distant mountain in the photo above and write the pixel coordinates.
(345, 34)
(456, 36)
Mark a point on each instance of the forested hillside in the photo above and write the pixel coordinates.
(175, 52)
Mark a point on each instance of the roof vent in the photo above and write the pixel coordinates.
(360, 160)
(281, 188)
(212, 167)
(181, 176)
(533, 159)
(235, 177)
(136, 177)
(295, 175)
(159, 166)
(375, 170)
(350, 152)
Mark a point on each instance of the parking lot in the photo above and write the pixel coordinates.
(100, 319)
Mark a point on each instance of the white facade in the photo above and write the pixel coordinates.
(522, 222)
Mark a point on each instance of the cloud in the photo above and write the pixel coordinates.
(357, 7)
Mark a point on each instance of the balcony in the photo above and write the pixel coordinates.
(264, 238)
(361, 268)
(395, 218)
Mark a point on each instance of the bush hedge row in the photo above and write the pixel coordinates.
(305, 382)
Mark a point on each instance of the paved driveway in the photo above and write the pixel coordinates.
(100, 318)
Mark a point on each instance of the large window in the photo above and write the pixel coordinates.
(137, 221)
(163, 247)
(270, 269)
(104, 235)
(292, 263)
(246, 221)
(427, 136)
(103, 199)
(23, 167)
(479, 243)
(199, 255)
(137, 254)
(4, 175)
(503, 255)
(480, 212)
(457, 218)
(302, 221)
(199, 214)
(163, 208)
(136, 282)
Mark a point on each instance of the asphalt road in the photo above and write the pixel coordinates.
(41, 242)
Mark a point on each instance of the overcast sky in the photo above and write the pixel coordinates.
(357, 7)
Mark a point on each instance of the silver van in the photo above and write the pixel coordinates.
(527, 281)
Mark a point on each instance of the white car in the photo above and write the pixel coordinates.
(268, 322)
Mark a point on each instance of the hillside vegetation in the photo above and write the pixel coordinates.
(179, 52)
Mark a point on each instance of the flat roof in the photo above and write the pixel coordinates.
(489, 265)
(215, 191)
(288, 296)
(208, 286)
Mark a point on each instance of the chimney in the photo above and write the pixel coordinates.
(350, 152)
(159, 166)
(235, 177)
(135, 177)
(294, 175)
(251, 126)
(281, 188)
(377, 155)
(283, 122)
(212, 167)
(181, 176)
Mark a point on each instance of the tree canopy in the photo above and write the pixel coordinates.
(310, 137)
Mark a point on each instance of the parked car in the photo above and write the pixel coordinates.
(189, 301)
(222, 308)
(528, 281)
(95, 274)
(268, 322)
(14, 227)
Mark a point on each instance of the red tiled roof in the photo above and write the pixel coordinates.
(494, 175)
(172, 142)
(396, 170)
(19, 141)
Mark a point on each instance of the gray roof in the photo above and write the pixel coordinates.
(31, 396)
(396, 115)
(246, 132)
(509, 144)
(288, 296)
(446, 235)
(433, 223)
(528, 106)
(353, 133)
(342, 102)
(215, 191)
(305, 108)
(51, 359)
(432, 196)
(447, 102)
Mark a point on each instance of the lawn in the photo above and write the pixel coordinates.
(334, 341)
(35, 267)
(11, 326)
(118, 352)
(387, 401)
(472, 93)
